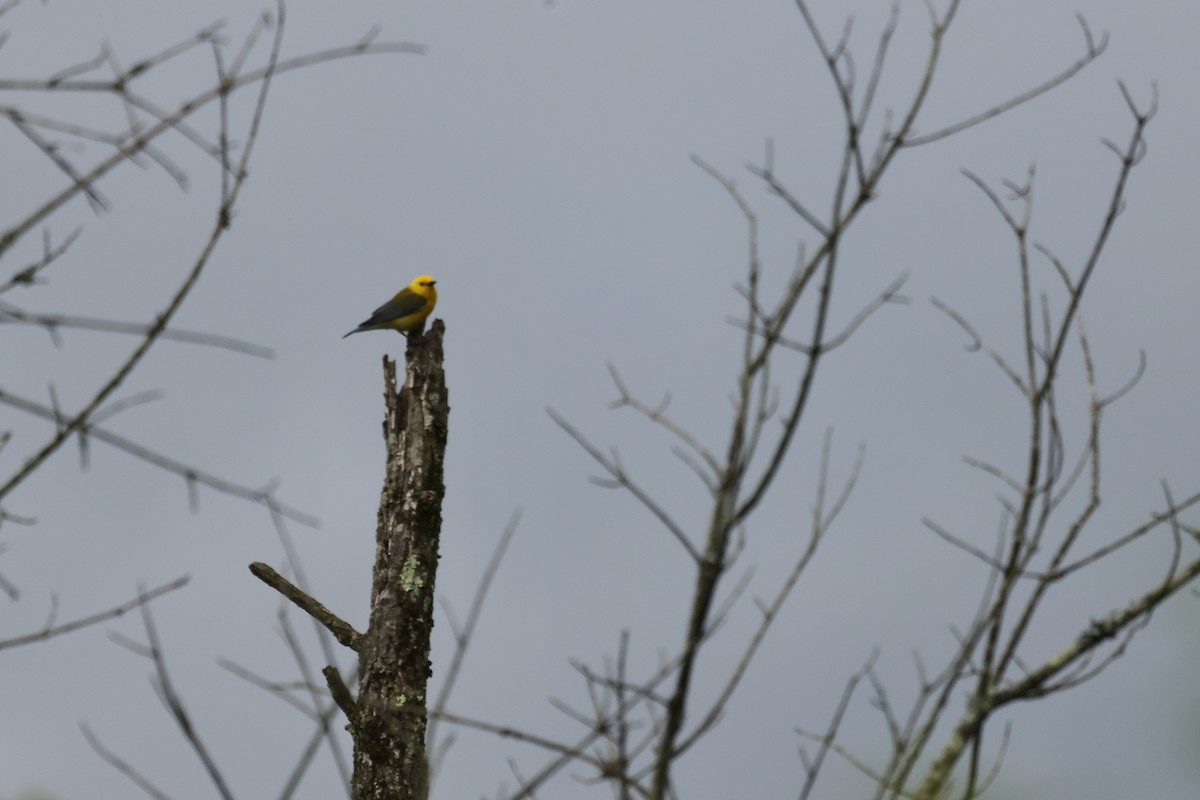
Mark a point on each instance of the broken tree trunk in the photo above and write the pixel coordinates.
(389, 725)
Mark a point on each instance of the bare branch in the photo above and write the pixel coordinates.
(341, 630)
(978, 343)
(782, 191)
(1096, 634)
(172, 120)
(51, 151)
(889, 295)
(820, 526)
(50, 631)
(962, 544)
(309, 753)
(1092, 52)
(1129, 160)
(623, 480)
(222, 223)
(463, 636)
(10, 313)
(29, 274)
(658, 415)
(573, 753)
(174, 705)
(122, 766)
(283, 690)
(191, 474)
(325, 711)
(828, 741)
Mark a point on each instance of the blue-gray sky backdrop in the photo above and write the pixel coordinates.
(536, 162)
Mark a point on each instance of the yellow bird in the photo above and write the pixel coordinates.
(406, 311)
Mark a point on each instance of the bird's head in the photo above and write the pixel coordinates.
(423, 285)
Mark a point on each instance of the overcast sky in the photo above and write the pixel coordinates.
(536, 162)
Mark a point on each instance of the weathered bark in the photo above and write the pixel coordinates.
(388, 725)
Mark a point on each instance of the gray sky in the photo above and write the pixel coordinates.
(535, 161)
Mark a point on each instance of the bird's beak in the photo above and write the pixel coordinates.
(433, 283)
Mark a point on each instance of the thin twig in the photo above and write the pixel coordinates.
(341, 630)
(622, 479)
(192, 475)
(174, 705)
(121, 765)
(462, 637)
(9, 313)
(1093, 51)
(50, 631)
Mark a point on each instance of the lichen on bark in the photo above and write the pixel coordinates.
(394, 667)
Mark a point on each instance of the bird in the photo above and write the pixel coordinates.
(406, 312)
